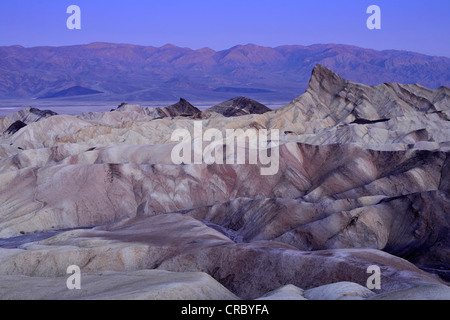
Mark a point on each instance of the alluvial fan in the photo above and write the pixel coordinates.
(363, 180)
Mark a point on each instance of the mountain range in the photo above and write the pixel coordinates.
(112, 72)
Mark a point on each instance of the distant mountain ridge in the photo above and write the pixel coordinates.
(137, 73)
(239, 106)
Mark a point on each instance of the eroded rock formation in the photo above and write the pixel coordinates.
(363, 180)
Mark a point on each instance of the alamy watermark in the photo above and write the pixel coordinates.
(374, 281)
(374, 21)
(74, 20)
(252, 146)
(73, 282)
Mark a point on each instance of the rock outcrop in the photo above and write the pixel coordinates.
(16, 126)
(239, 106)
(23, 117)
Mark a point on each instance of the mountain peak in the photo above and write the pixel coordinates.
(240, 106)
(169, 46)
(322, 72)
(181, 108)
(323, 78)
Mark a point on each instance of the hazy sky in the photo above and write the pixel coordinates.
(415, 25)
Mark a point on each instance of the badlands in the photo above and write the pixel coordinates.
(363, 180)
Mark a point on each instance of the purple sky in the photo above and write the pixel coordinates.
(414, 25)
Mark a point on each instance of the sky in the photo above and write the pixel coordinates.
(413, 25)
